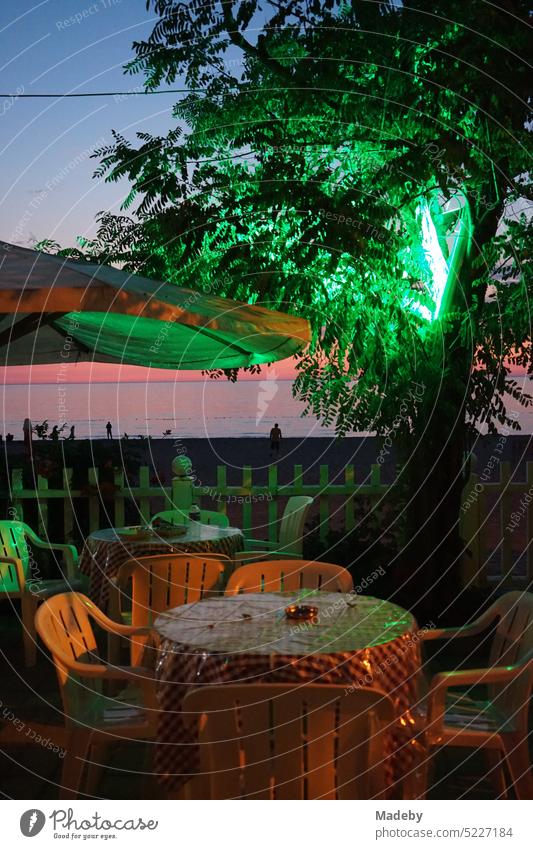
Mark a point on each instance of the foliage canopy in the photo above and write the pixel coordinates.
(294, 178)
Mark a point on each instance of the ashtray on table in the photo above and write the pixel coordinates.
(302, 612)
(169, 530)
(136, 532)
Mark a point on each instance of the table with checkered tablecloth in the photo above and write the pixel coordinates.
(106, 550)
(356, 641)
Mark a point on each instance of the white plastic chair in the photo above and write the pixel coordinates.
(498, 724)
(290, 741)
(93, 721)
(157, 583)
(290, 541)
(289, 576)
(16, 581)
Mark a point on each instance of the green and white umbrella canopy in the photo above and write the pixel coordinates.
(53, 309)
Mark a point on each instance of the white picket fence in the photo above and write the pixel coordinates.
(497, 549)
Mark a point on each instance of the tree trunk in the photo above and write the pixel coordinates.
(434, 470)
(429, 564)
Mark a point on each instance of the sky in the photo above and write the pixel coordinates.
(46, 144)
(47, 189)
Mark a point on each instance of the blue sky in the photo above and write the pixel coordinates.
(46, 184)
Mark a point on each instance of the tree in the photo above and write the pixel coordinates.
(318, 139)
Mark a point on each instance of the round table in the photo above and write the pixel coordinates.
(357, 641)
(106, 550)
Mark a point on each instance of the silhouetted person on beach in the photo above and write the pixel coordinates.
(109, 430)
(72, 435)
(275, 439)
(55, 433)
(9, 437)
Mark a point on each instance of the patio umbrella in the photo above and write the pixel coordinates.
(54, 310)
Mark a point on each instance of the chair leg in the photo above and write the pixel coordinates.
(415, 784)
(29, 637)
(77, 749)
(517, 758)
(96, 763)
(496, 772)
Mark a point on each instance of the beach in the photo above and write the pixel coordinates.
(238, 454)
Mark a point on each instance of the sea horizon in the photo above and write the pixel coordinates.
(219, 409)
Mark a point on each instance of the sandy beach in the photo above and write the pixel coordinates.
(238, 453)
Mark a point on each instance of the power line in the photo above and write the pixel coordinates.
(106, 93)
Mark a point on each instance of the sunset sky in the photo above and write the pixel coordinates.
(103, 372)
(54, 195)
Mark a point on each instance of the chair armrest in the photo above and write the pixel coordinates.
(109, 673)
(70, 553)
(257, 556)
(110, 625)
(441, 683)
(17, 563)
(253, 544)
(471, 630)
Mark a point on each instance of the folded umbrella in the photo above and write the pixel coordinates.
(54, 309)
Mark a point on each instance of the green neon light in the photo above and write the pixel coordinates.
(445, 243)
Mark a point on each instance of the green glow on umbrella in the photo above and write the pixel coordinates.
(160, 344)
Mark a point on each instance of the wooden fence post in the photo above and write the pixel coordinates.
(119, 499)
(68, 512)
(324, 501)
(42, 507)
(273, 530)
(94, 500)
(144, 499)
(349, 480)
(17, 486)
(247, 505)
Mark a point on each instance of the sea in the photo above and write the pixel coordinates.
(207, 409)
(189, 409)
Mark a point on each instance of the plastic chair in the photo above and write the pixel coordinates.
(16, 581)
(290, 741)
(272, 576)
(158, 583)
(290, 542)
(207, 517)
(93, 721)
(498, 724)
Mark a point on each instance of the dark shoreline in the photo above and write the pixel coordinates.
(238, 453)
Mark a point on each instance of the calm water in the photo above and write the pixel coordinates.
(190, 409)
(209, 409)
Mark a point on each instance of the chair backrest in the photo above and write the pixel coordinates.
(164, 581)
(12, 544)
(207, 517)
(289, 575)
(279, 741)
(513, 644)
(292, 524)
(64, 625)
(213, 517)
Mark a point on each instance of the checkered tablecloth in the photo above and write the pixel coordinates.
(358, 642)
(105, 551)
